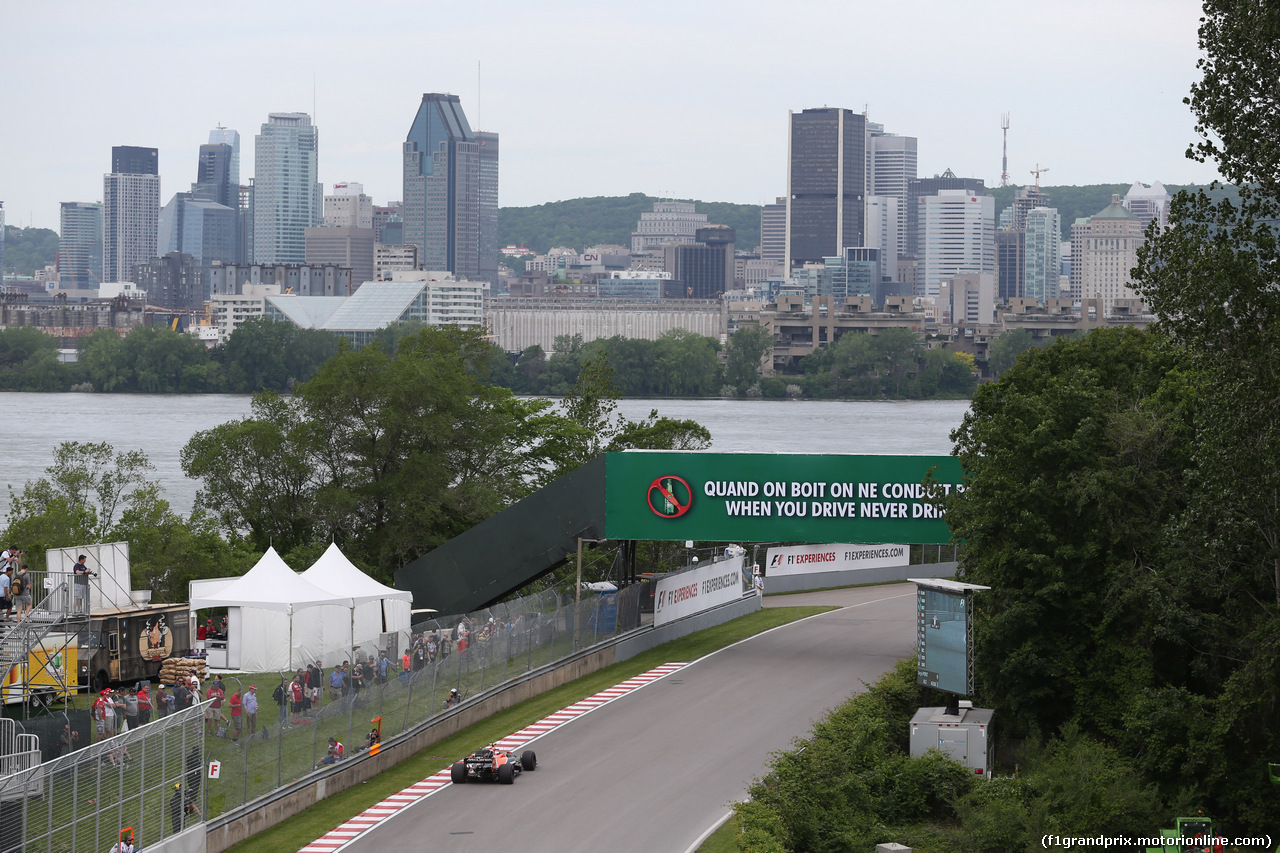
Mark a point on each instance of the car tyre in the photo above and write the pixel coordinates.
(506, 774)
(458, 773)
(528, 760)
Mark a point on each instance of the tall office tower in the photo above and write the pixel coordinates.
(1104, 248)
(921, 187)
(1011, 264)
(1148, 203)
(773, 231)
(216, 183)
(130, 210)
(882, 231)
(826, 184)
(959, 231)
(80, 245)
(385, 214)
(226, 136)
(489, 243)
(442, 187)
(891, 167)
(702, 269)
(204, 230)
(1043, 253)
(286, 194)
(1, 242)
(343, 246)
(346, 206)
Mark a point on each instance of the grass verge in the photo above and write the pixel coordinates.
(327, 814)
(724, 839)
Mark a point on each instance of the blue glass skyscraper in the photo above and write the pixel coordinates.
(287, 198)
(442, 187)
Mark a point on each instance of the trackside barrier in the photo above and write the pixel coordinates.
(243, 821)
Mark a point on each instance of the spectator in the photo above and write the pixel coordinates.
(331, 757)
(315, 679)
(104, 713)
(337, 682)
(384, 664)
(163, 701)
(81, 587)
(182, 806)
(130, 702)
(214, 719)
(237, 711)
(6, 603)
(125, 844)
(144, 705)
(251, 710)
(20, 589)
(295, 697)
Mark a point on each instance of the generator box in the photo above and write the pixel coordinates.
(964, 737)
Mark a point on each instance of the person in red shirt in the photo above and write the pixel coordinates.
(144, 705)
(213, 715)
(295, 697)
(237, 710)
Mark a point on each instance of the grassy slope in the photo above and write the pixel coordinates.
(320, 818)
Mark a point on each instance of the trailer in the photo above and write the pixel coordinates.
(125, 645)
(44, 673)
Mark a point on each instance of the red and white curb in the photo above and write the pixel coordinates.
(337, 839)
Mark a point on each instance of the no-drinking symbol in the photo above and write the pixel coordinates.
(670, 496)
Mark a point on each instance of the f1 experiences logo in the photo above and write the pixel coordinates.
(670, 496)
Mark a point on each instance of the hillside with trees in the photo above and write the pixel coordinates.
(28, 249)
(581, 222)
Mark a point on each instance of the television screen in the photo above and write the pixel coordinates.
(942, 640)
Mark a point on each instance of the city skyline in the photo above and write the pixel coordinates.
(651, 128)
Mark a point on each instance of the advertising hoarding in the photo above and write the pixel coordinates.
(687, 593)
(810, 559)
(781, 497)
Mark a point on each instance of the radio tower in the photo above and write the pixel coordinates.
(1004, 160)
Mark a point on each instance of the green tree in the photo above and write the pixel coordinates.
(745, 352)
(529, 369)
(1006, 348)
(29, 361)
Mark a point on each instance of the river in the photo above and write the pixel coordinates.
(34, 424)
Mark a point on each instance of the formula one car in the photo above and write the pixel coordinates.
(492, 764)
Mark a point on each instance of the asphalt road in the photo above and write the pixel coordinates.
(654, 770)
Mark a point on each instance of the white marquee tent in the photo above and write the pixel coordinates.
(377, 608)
(275, 618)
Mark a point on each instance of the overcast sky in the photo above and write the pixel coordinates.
(675, 99)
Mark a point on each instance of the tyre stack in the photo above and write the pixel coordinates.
(174, 669)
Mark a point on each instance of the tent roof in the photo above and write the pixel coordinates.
(270, 585)
(335, 573)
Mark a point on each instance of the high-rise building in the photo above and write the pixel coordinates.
(286, 193)
(216, 182)
(487, 263)
(921, 187)
(1104, 249)
(204, 230)
(1043, 254)
(346, 206)
(80, 245)
(826, 184)
(1027, 199)
(344, 246)
(773, 231)
(882, 231)
(384, 215)
(891, 167)
(1011, 263)
(226, 136)
(1148, 203)
(174, 280)
(959, 236)
(669, 223)
(1, 242)
(968, 298)
(130, 210)
(702, 269)
(441, 206)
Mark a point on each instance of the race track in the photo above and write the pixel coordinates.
(654, 769)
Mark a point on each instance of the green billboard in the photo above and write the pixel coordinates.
(777, 497)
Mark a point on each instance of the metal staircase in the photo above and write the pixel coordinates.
(31, 678)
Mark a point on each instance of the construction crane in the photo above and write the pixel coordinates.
(1037, 171)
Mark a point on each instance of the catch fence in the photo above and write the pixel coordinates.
(84, 800)
(472, 653)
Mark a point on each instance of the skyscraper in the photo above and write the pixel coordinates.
(442, 167)
(130, 210)
(1104, 249)
(487, 263)
(921, 187)
(1043, 253)
(826, 184)
(80, 245)
(891, 167)
(1, 242)
(348, 207)
(216, 182)
(286, 195)
(773, 231)
(959, 236)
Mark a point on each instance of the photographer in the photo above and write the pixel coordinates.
(81, 595)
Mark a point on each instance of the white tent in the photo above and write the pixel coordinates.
(273, 618)
(378, 609)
